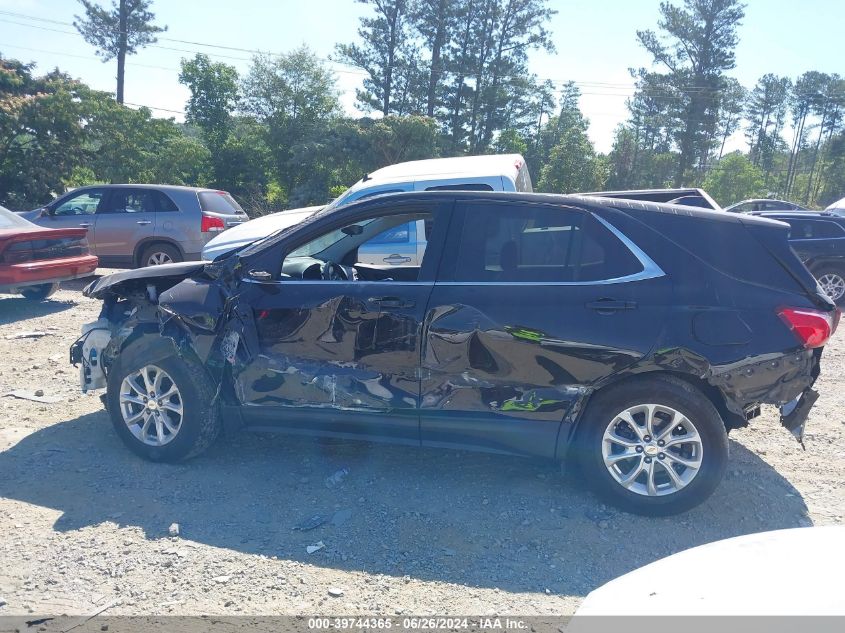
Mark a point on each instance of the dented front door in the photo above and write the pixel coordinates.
(329, 349)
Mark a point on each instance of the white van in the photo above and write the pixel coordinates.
(403, 245)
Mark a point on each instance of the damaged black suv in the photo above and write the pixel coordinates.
(626, 336)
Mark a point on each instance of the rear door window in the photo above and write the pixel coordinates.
(397, 235)
(538, 243)
(128, 201)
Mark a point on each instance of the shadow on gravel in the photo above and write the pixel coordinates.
(471, 519)
(14, 308)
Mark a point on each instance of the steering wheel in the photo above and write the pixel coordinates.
(329, 271)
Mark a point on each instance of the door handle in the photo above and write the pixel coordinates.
(609, 306)
(396, 259)
(391, 302)
(85, 224)
(143, 222)
(260, 275)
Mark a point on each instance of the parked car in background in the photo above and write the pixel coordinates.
(690, 197)
(561, 327)
(819, 240)
(143, 225)
(837, 208)
(33, 260)
(763, 204)
(250, 231)
(403, 245)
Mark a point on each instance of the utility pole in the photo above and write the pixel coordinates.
(121, 50)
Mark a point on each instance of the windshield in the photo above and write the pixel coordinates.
(10, 220)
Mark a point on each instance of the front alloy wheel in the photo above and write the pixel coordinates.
(151, 405)
(161, 402)
(652, 450)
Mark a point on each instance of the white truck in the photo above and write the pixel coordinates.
(402, 245)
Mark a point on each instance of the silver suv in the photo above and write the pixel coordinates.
(143, 225)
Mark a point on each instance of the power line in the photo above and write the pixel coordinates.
(348, 68)
(87, 57)
(253, 51)
(141, 105)
(353, 70)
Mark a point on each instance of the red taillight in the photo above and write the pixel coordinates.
(812, 327)
(211, 224)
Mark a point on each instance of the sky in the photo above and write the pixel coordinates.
(595, 43)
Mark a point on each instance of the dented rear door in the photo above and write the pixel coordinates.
(522, 322)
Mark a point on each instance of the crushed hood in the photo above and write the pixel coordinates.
(99, 288)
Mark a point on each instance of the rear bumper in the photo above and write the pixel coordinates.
(46, 271)
(793, 415)
(768, 379)
(784, 380)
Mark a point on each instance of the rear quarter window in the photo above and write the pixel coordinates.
(523, 179)
(814, 229)
(218, 202)
(728, 247)
(470, 186)
(162, 202)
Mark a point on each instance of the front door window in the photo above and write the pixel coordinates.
(84, 203)
(383, 248)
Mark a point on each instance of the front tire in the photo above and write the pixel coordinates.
(161, 404)
(39, 292)
(653, 446)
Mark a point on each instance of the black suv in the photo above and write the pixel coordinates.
(627, 336)
(819, 240)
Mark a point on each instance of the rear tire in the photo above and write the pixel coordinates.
(185, 417)
(160, 253)
(39, 292)
(832, 279)
(681, 452)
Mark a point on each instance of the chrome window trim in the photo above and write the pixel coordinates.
(650, 271)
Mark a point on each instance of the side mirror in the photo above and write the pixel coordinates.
(45, 212)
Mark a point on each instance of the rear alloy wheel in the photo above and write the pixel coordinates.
(832, 282)
(159, 254)
(39, 292)
(654, 446)
(652, 450)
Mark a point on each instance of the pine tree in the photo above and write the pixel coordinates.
(118, 32)
(697, 48)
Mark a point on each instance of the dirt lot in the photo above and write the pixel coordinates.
(84, 523)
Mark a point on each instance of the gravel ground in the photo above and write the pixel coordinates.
(84, 525)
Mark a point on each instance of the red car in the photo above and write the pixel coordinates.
(33, 260)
